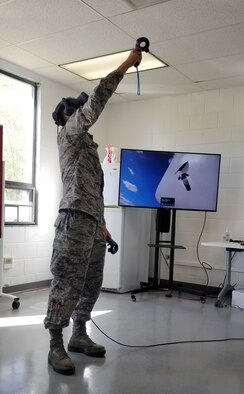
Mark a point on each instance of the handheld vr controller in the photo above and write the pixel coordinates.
(142, 43)
(113, 246)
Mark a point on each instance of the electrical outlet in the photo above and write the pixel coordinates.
(7, 262)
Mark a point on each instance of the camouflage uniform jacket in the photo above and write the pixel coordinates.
(80, 166)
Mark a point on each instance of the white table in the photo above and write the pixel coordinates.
(230, 248)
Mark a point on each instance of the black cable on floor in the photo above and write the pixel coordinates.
(167, 343)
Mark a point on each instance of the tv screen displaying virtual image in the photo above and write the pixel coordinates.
(176, 180)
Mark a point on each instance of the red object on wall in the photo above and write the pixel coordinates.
(1, 181)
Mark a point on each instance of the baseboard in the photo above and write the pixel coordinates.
(27, 286)
(187, 287)
(180, 286)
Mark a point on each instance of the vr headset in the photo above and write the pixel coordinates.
(68, 106)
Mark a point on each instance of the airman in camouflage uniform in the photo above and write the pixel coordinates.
(80, 233)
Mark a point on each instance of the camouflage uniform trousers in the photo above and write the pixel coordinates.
(77, 263)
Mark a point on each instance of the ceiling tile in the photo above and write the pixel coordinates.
(222, 67)
(222, 83)
(2, 2)
(144, 3)
(163, 86)
(4, 44)
(200, 40)
(42, 18)
(148, 92)
(110, 7)
(57, 74)
(73, 45)
(208, 45)
(26, 59)
(178, 18)
(163, 76)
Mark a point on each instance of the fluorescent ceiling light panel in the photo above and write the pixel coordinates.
(99, 67)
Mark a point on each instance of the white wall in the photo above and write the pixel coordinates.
(211, 121)
(30, 246)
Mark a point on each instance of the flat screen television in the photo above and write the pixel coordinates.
(164, 179)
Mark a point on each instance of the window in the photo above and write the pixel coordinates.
(18, 107)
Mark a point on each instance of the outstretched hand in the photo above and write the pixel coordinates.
(134, 57)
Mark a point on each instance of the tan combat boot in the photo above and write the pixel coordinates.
(80, 342)
(57, 357)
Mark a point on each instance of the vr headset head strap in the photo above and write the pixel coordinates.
(68, 106)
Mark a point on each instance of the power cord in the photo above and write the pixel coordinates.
(167, 343)
(204, 265)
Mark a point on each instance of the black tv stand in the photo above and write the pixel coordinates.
(154, 285)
